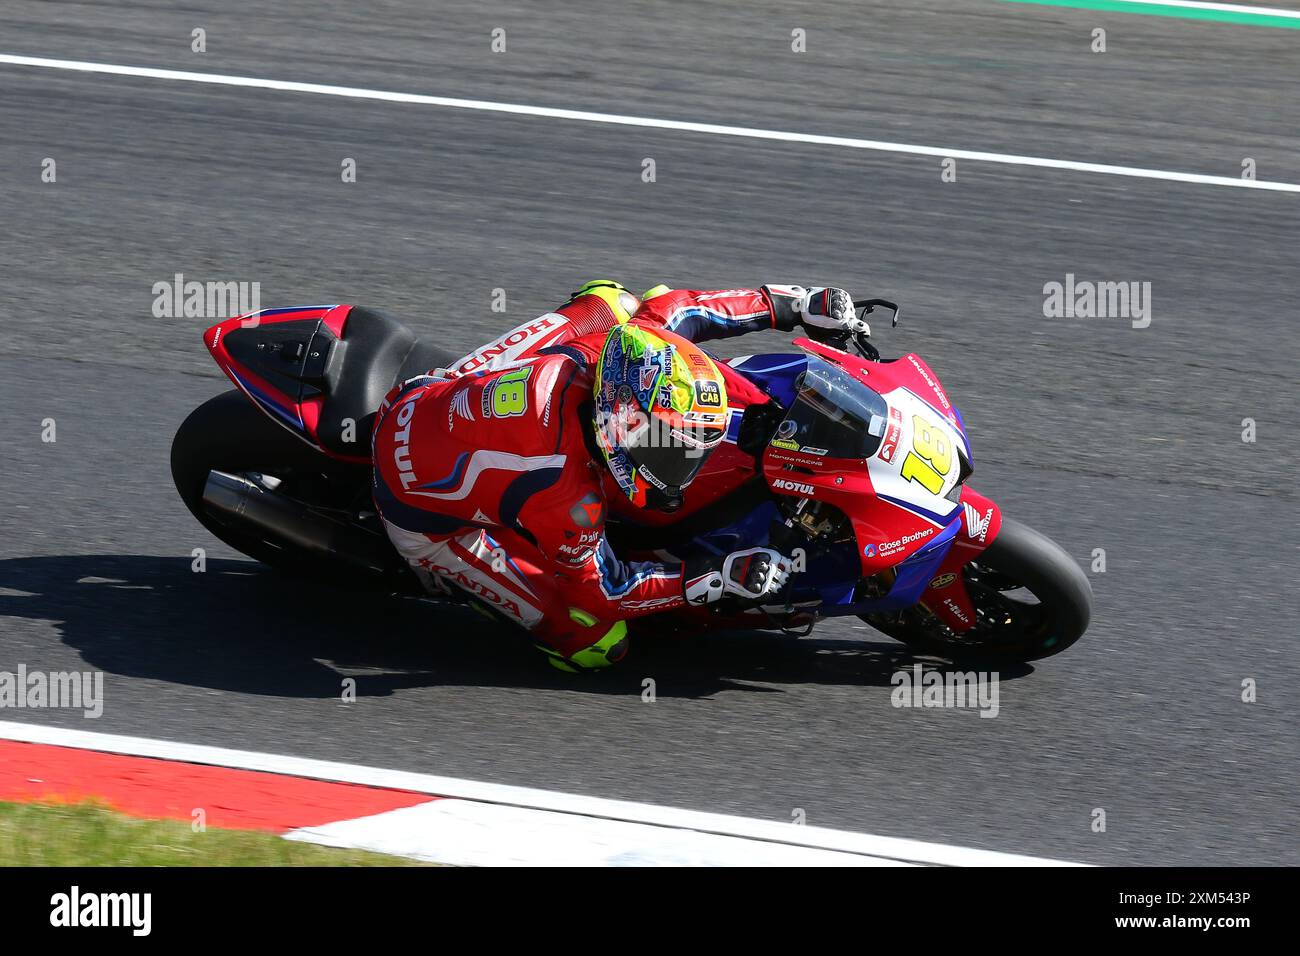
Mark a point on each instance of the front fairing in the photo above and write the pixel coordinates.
(901, 487)
(908, 518)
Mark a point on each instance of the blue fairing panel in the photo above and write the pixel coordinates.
(913, 576)
(751, 531)
(774, 374)
(835, 574)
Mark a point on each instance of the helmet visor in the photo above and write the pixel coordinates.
(673, 463)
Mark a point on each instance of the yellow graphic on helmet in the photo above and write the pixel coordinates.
(661, 406)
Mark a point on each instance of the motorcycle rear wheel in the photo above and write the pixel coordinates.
(1031, 601)
(229, 434)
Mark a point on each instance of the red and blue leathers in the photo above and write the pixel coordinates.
(487, 475)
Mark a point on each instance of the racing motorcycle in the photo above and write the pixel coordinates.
(855, 466)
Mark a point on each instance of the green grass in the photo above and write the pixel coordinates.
(84, 834)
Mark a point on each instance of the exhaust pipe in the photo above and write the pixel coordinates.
(288, 524)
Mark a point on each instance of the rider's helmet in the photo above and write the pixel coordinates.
(660, 409)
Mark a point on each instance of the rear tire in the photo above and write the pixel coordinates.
(1008, 627)
(228, 433)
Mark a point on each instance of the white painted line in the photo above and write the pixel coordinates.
(1226, 7)
(584, 116)
(466, 833)
(888, 848)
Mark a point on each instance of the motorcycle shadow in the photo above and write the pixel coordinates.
(238, 626)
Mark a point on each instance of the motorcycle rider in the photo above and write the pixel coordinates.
(488, 475)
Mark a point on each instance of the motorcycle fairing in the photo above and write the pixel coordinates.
(774, 374)
(918, 578)
(920, 534)
(285, 361)
(906, 516)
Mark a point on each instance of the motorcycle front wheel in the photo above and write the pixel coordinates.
(1031, 601)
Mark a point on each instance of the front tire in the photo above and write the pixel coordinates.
(1031, 601)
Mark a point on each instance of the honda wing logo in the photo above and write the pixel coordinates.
(977, 527)
(460, 403)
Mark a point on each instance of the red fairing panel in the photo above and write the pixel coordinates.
(946, 596)
(300, 416)
(893, 514)
(909, 372)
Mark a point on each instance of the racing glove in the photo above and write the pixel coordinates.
(816, 307)
(751, 575)
(830, 309)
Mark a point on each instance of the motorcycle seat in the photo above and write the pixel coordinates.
(376, 353)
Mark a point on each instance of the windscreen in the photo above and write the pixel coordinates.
(833, 414)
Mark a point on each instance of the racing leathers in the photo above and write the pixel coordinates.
(487, 476)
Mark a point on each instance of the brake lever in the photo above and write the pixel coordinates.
(863, 308)
(868, 306)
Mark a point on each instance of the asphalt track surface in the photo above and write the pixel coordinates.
(1097, 433)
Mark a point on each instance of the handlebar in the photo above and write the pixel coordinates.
(840, 339)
